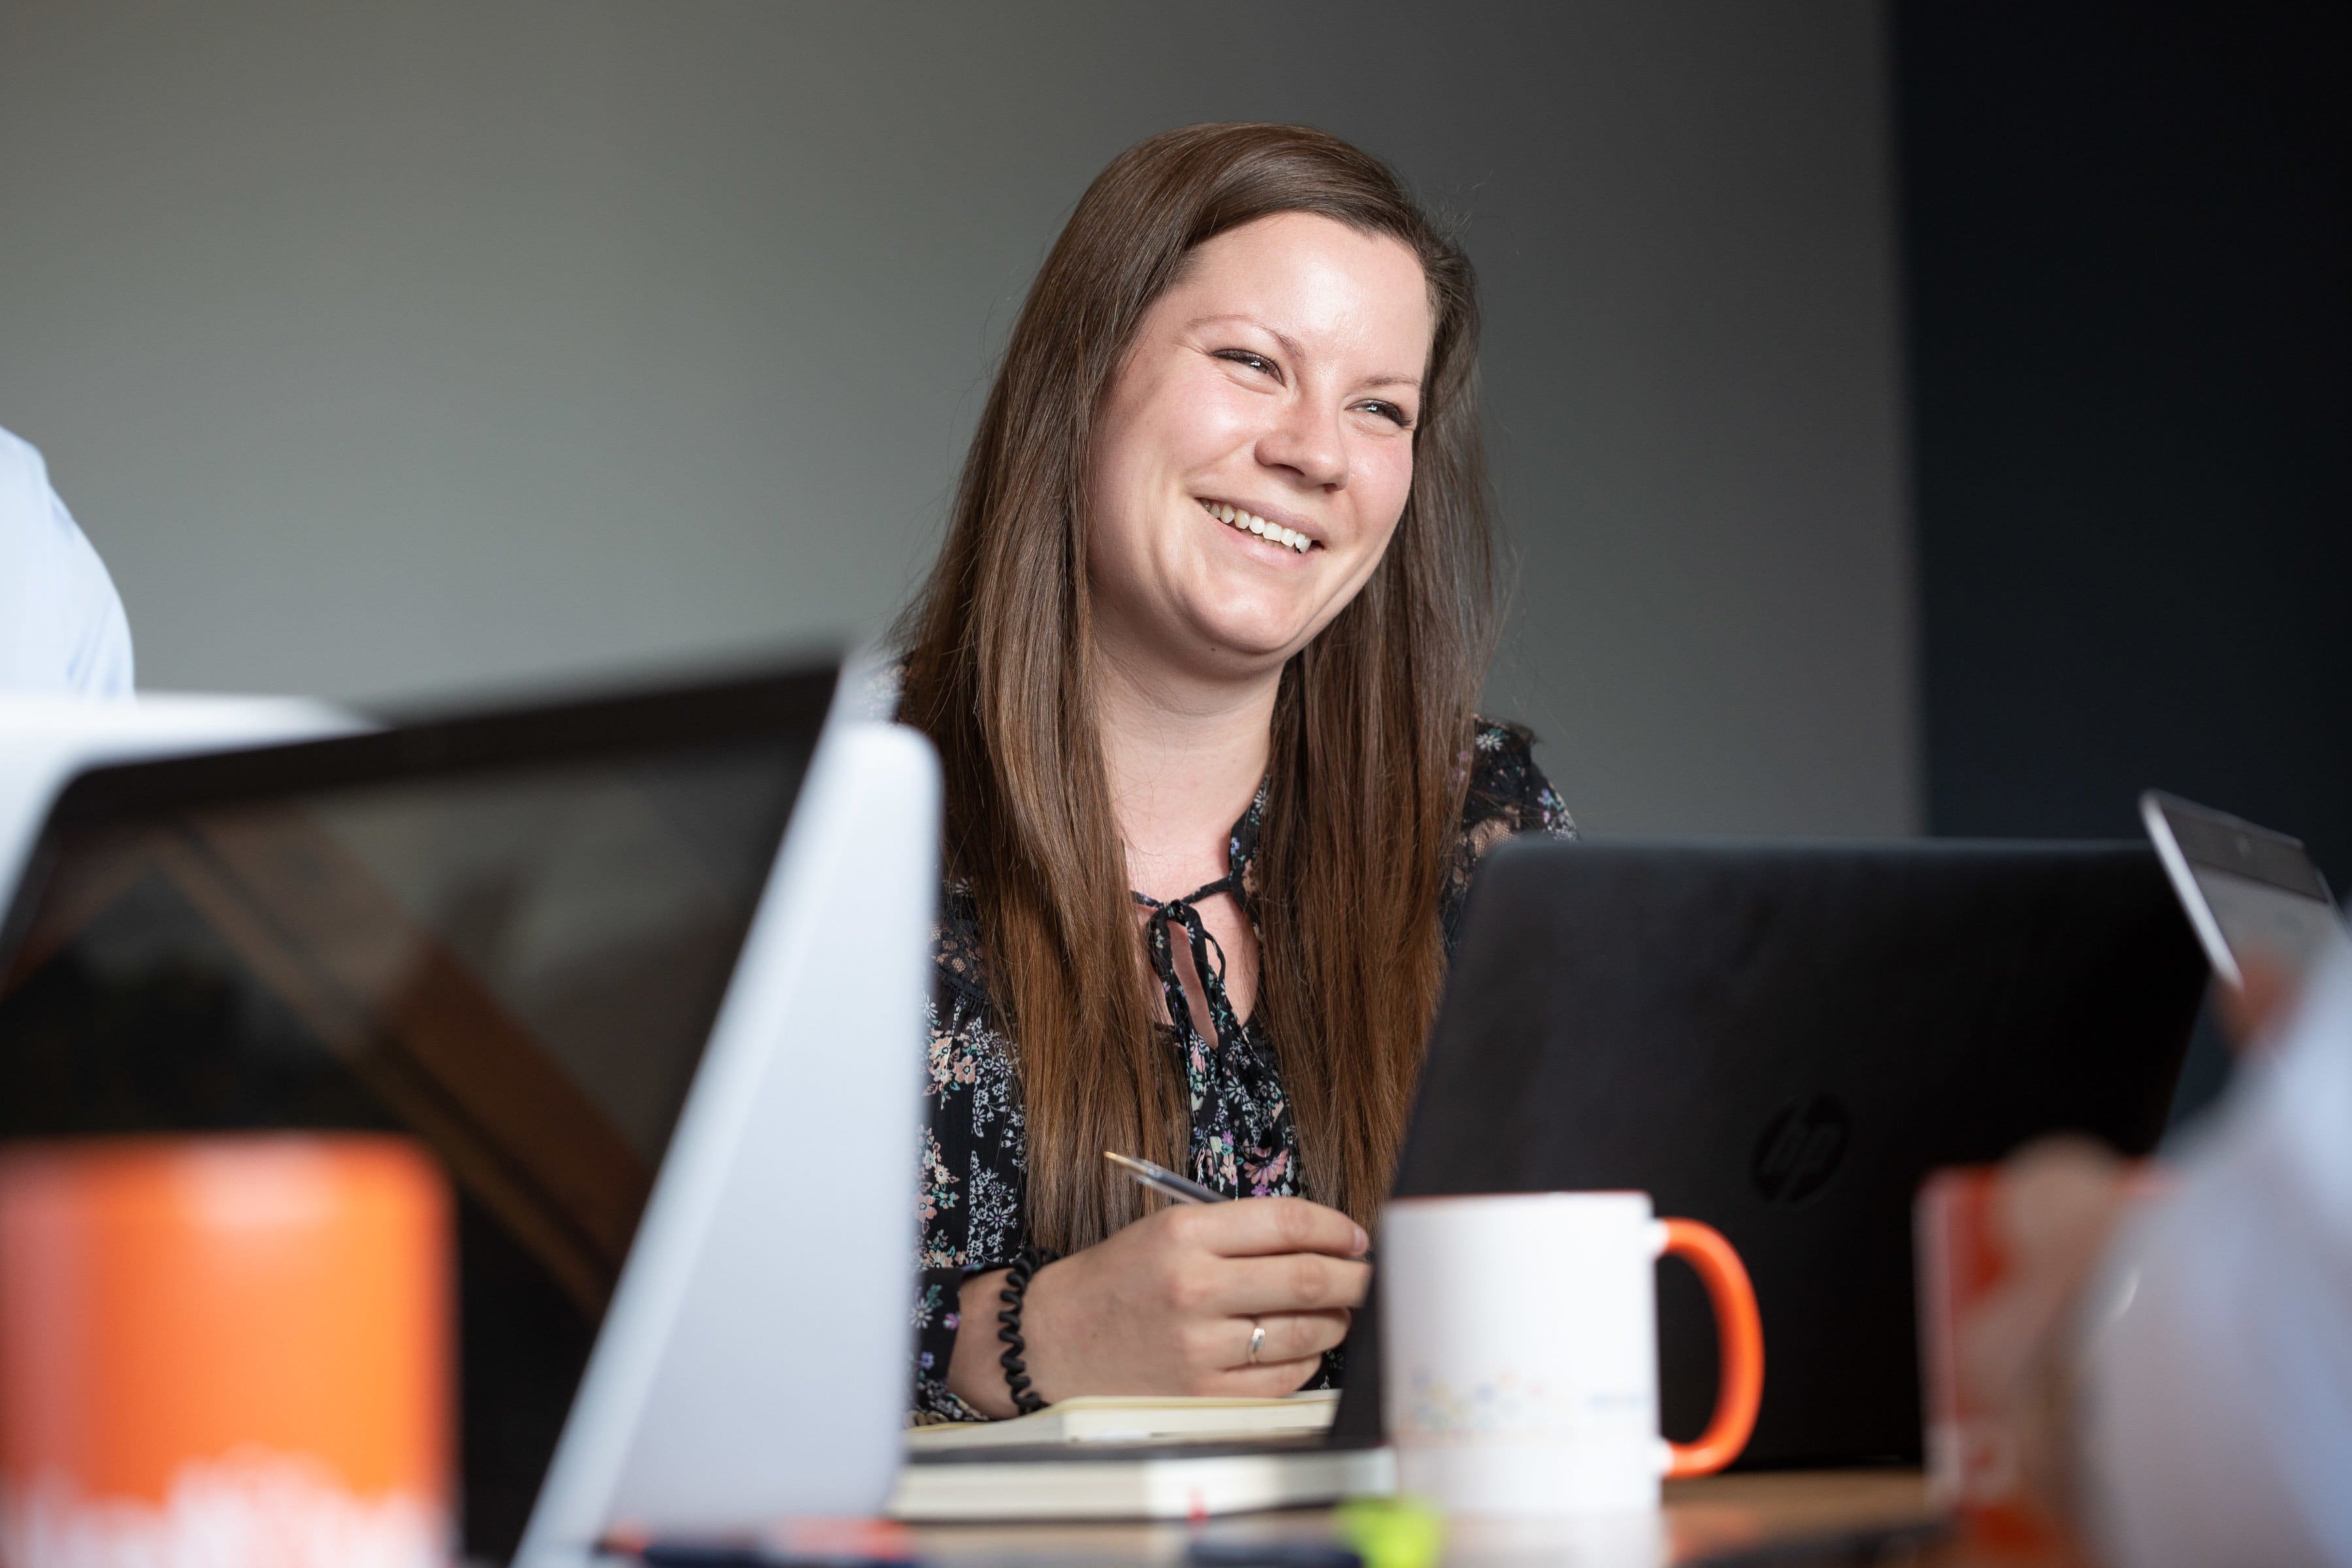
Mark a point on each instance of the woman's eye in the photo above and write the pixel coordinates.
(1388, 411)
(1256, 362)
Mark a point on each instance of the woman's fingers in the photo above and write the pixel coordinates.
(1267, 1380)
(1166, 1305)
(1257, 1228)
(1289, 1337)
(1299, 1282)
(2264, 993)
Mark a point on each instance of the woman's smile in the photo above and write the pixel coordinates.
(1273, 527)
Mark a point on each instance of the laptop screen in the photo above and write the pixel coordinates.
(504, 936)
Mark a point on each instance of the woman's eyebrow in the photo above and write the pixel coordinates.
(1290, 346)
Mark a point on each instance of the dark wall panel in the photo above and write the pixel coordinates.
(2131, 342)
(2131, 348)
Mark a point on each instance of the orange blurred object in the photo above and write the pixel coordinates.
(242, 1340)
(2003, 1255)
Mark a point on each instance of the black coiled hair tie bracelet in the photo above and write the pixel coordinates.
(1025, 1264)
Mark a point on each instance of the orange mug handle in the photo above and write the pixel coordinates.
(1739, 1333)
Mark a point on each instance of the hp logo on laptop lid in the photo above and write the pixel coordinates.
(1801, 1149)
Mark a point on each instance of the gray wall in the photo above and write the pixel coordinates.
(407, 348)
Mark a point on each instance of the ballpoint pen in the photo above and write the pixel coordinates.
(1162, 1180)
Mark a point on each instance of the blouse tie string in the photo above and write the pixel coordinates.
(1183, 913)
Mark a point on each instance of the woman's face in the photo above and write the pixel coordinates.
(1255, 452)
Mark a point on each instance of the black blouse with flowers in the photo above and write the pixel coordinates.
(1244, 1141)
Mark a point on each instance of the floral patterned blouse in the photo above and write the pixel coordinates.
(1243, 1141)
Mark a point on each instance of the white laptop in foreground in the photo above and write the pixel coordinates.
(689, 928)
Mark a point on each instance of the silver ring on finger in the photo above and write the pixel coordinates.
(1258, 1339)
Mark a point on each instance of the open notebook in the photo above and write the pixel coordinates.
(1113, 1418)
(1147, 1458)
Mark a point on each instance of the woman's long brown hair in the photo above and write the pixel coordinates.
(1370, 729)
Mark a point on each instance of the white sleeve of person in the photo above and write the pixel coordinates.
(61, 624)
(2217, 1410)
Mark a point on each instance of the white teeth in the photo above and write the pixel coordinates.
(1250, 522)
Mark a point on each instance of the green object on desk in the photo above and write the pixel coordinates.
(1392, 1533)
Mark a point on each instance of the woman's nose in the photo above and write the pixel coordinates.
(1308, 442)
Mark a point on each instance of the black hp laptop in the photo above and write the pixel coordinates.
(1782, 1041)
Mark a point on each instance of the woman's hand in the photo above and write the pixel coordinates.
(1168, 1305)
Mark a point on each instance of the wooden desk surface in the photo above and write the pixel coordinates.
(1719, 1518)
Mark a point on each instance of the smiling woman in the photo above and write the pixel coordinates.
(1286, 422)
(1200, 656)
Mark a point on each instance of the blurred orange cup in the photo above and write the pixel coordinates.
(1977, 1287)
(229, 1348)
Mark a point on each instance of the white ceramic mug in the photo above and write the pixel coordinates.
(1520, 1337)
